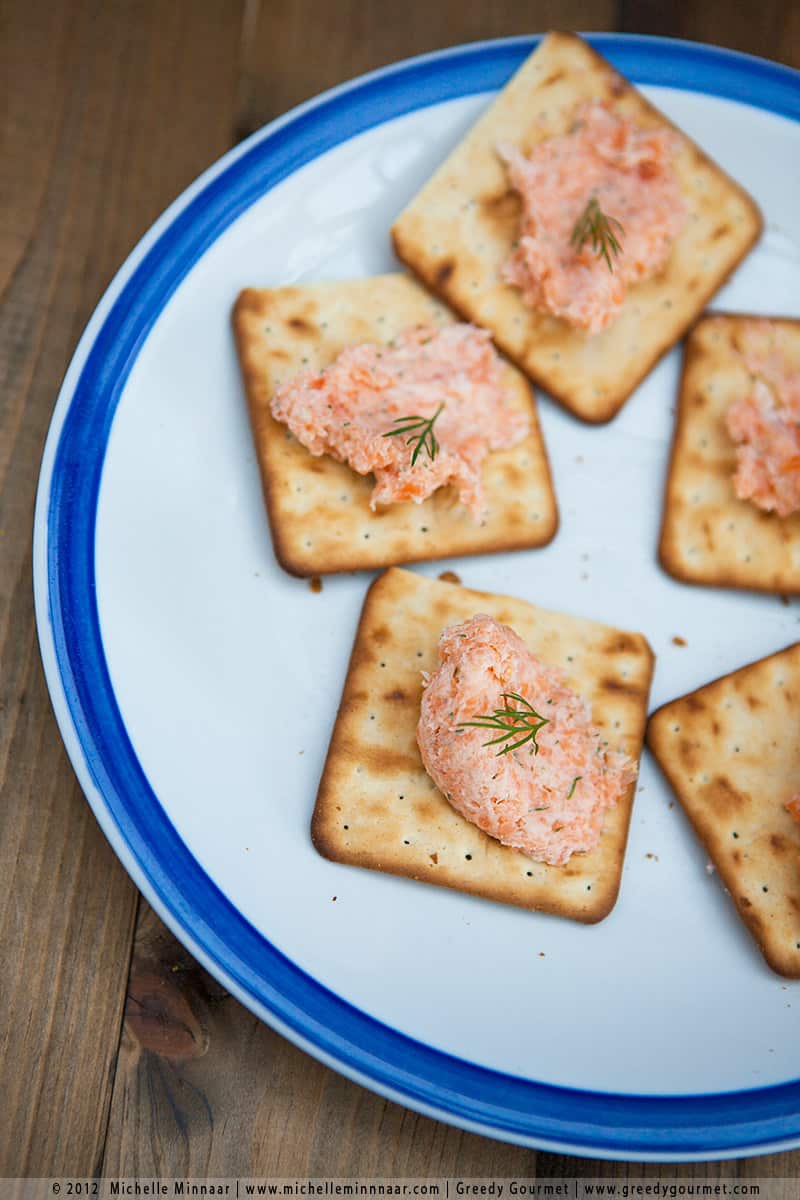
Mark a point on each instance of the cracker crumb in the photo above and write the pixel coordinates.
(315, 583)
(710, 868)
(653, 856)
(541, 954)
(332, 899)
(785, 600)
(449, 577)
(679, 641)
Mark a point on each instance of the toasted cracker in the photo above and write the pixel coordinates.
(709, 535)
(319, 508)
(377, 807)
(731, 752)
(458, 232)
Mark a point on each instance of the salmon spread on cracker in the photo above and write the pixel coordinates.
(420, 412)
(601, 207)
(765, 424)
(513, 747)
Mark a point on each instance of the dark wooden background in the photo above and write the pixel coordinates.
(117, 1053)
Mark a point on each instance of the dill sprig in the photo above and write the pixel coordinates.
(421, 432)
(575, 783)
(511, 721)
(593, 223)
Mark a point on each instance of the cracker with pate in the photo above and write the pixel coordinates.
(378, 808)
(318, 508)
(708, 535)
(459, 230)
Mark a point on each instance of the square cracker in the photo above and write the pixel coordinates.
(709, 535)
(731, 753)
(377, 807)
(459, 230)
(318, 508)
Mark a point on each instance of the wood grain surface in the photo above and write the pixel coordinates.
(110, 109)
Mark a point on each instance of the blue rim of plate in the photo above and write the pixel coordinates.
(604, 1125)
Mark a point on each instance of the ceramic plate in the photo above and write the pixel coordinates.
(196, 684)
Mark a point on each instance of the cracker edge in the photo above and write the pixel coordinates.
(702, 298)
(673, 568)
(282, 546)
(727, 878)
(606, 900)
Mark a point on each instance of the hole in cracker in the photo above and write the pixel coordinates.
(588, 887)
(468, 857)
(764, 887)
(345, 827)
(734, 834)
(529, 874)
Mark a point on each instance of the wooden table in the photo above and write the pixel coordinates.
(119, 1054)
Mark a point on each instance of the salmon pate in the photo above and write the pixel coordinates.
(765, 424)
(601, 207)
(513, 748)
(420, 412)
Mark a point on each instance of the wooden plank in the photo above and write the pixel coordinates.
(203, 1088)
(116, 107)
(770, 28)
(293, 49)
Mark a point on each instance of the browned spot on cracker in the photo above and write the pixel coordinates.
(383, 760)
(725, 797)
(719, 232)
(444, 271)
(688, 753)
(395, 695)
(553, 78)
(300, 325)
(695, 704)
(778, 843)
(621, 643)
(620, 687)
(503, 208)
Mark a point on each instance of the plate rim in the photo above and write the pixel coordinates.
(545, 1116)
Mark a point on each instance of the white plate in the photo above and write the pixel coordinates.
(196, 684)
